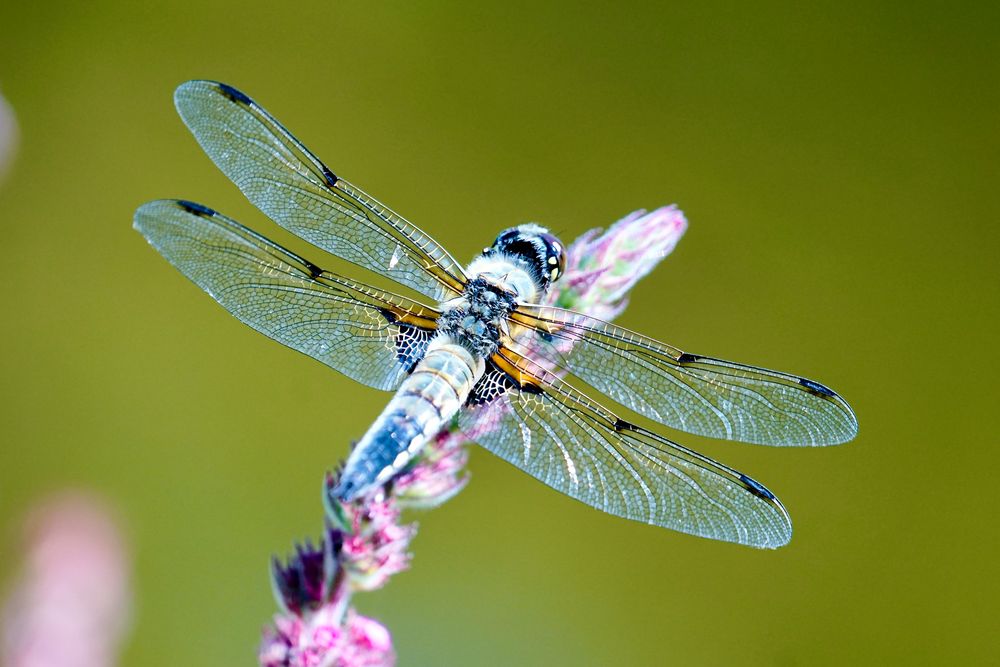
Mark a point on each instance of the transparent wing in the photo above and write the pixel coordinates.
(368, 335)
(288, 183)
(697, 394)
(578, 447)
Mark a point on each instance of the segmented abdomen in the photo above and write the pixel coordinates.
(422, 406)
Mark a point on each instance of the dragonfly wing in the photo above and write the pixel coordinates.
(369, 335)
(288, 183)
(578, 447)
(701, 395)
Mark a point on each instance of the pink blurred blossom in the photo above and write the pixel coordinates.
(8, 135)
(70, 607)
(365, 543)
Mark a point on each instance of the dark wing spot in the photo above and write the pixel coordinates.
(756, 488)
(331, 178)
(314, 271)
(815, 387)
(234, 95)
(195, 209)
(686, 358)
(622, 425)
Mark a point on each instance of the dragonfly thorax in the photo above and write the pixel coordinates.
(518, 268)
(475, 319)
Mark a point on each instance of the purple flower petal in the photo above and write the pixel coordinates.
(307, 581)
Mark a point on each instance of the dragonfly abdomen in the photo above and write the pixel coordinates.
(423, 405)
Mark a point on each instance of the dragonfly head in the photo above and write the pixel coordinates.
(534, 246)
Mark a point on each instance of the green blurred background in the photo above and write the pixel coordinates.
(838, 164)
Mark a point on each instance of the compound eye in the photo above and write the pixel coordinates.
(555, 257)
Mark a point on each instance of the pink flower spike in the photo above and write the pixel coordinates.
(601, 270)
(72, 605)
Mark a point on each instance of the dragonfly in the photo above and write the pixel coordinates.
(476, 348)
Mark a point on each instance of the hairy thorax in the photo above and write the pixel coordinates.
(476, 320)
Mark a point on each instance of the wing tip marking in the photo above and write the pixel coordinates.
(195, 209)
(233, 95)
(756, 488)
(817, 388)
